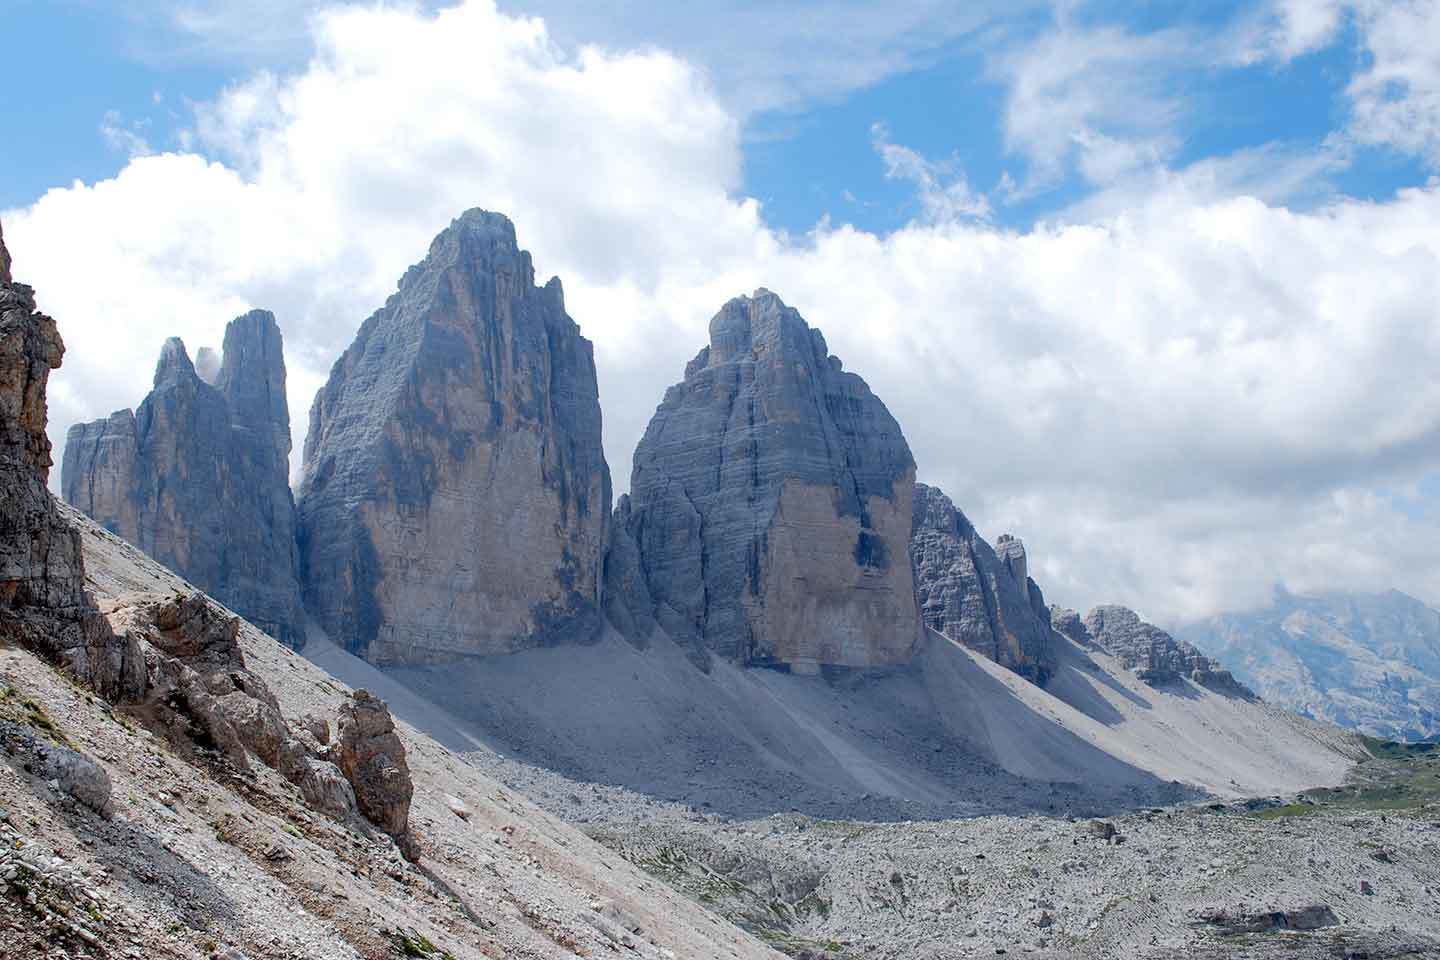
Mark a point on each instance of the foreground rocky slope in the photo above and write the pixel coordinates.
(977, 595)
(456, 495)
(1366, 661)
(770, 504)
(198, 475)
(192, 863)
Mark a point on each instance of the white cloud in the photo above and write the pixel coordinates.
(941, 188)
(1099, 99)
(1395, 99)
(1177, 400)
(127, 138)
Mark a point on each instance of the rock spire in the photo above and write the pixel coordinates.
(770, 504)
(455, 496)
(198, 475)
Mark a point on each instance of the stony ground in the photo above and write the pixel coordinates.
(1368, 853)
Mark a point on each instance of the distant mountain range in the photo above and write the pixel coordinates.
(1370, 662)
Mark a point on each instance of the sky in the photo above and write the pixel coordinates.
(1154, 287)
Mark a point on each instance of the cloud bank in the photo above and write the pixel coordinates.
(1178, 401)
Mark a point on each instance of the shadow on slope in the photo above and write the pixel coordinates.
(943, 737)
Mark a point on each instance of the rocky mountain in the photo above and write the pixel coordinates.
(980, 596)
(1370, 662)
(4, 260)
(198, 475)
(770, 504)
(177, 784)
(455, 495)
(1152, 654)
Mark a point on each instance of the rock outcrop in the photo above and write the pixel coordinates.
(372, 757)
(1153, 655)
(198, 475)
(770, 504)
(200, 694)
(456, 496)
(43, 603)
(4, 259)
(976, 595)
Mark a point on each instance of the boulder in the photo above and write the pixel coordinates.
(369, 752)
(198, 475)
(456, 496)
(770, 505)
(977, 595)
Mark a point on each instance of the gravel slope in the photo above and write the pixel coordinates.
(191, 864)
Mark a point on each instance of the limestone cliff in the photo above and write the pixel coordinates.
(198, 475)
(455, 496)
(1154, 655)
(43, 602)
(978, 595)
(770, 503)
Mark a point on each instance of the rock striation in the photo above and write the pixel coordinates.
(770, 504)
(979, 596)
(198, 475)
(1154, 655)
(456, 496)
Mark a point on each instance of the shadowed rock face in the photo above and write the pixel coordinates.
(4, 259)
(198, 476)
(456, 496)
(770, 503)
(976, 595)
(43, 602)
(1154, 655)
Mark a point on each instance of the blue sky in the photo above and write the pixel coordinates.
(113, 78)
(1153, 286)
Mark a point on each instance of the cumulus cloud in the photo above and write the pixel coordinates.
(1178, 399)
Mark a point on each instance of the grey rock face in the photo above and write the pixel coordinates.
(198, 476)
(1366, 661)
(456, 495)
(1154, 655)
(43, 602)
(4, 258)
(770, 503)
(976, 595)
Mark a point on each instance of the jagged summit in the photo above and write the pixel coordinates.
(770, 503)
(198, 475)
(977, 595)
(456, 495)
(1154, 655)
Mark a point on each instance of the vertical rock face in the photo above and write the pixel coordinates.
(4, 259)
(1154, 655)
(198, 476)
(456, 496)
(976, 595)
(43, 603)
(770, 503)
